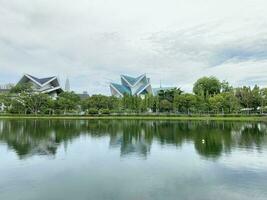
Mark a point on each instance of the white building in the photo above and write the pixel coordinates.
(131, 86)
(49, 85)
(139, 86)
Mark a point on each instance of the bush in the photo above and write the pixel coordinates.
(105, 111)
(93, 111)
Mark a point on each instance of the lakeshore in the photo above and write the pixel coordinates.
(241, 118)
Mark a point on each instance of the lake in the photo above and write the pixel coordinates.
(132, 160)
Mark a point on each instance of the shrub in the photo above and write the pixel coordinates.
(105, 111)
(92, 111)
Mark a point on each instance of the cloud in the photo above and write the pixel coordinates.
(93, 42)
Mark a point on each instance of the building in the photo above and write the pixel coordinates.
(83, 95)
(49, 85)
(132, 86)
(6, 88)
(135, 86)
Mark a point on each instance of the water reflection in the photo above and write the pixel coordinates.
(210, 139)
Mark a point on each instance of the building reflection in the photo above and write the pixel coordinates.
(210, 139)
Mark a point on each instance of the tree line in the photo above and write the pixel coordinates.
(31, 137)
(209, 96)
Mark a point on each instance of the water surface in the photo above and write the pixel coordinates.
(132, 160)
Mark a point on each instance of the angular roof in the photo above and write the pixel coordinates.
(41, 80)
(47, 85)
(132, 86)
(132, 80)
(121, 88)
(141, 88)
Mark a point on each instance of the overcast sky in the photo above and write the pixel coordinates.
(94, 41)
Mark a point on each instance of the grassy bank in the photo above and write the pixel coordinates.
(246, 118)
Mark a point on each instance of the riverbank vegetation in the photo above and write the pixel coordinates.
(209, 97)
(24, 135)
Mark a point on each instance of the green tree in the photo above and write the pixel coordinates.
(226, 87)
(17, 106)
(185, 102)
(131, 103)
(67, 101)
(207, 86)
(169, 94)
(30, 103)
(263, 93)
(165, 106)
(202, 105)
(5, 101)
(114, 103)
(256, 97)
(217, 103)
(36, 103)
(245, 96)
(22, 88)
(98, 102)
(231, 103)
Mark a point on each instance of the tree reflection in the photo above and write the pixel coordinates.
(210, 139)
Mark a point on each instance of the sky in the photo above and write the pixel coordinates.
(93, 42)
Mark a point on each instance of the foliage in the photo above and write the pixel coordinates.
(93, 111)
(185, 103)
(67, 101)
(30, 103)
(226, 87)
(169, 94)
(250, 98)
(21, 88)
(165, 106)
(207, 86)
(105, 111)
(210, 96)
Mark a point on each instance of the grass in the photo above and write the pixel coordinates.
(246, 118)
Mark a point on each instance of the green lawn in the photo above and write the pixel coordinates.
(205, 118)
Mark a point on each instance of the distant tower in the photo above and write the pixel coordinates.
(67, 85)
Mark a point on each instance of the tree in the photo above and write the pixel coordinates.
(101, 102)
(36, 103)
(30, 103)
(263, 93)
(245, 96)
(113, 103)
(145, 104)
(226, 87)
(20, 88)
(67, 101)
(169, 94)
(17, 106)
(256, 97)
(207, 86)
(231, 103)
(202, 104)
(132, 103)
(185, 102)
(98, 102)
(4, 101)
(165, 106)
(217, 103)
